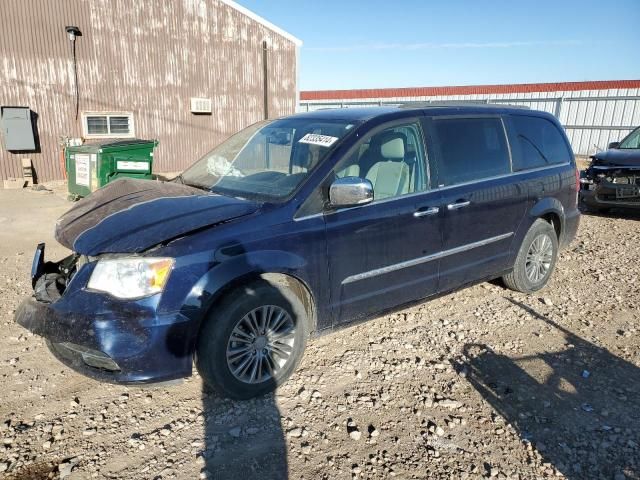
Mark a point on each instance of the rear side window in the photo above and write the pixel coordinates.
(470, 149)
(539, 143)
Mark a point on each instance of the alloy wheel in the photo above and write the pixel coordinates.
(539, 258)
(261, 344)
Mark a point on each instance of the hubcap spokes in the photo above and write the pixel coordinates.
(539, 257)
(260, 344)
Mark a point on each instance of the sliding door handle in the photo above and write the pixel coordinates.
(458, 204)
(425, 212)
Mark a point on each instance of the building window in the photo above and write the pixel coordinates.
(114, 125)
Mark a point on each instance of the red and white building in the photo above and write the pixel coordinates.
(593, 113)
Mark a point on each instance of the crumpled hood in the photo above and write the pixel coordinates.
(130, 215)
(617, 158)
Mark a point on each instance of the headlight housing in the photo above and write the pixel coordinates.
(131, 277)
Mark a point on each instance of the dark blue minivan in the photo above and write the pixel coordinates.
(298, 226)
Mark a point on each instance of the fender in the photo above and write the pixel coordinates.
(229, 271)
(545, 206)
(540, 208)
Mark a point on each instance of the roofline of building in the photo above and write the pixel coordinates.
(466, 90)
(262, 21)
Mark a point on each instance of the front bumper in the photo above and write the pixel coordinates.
(600, 198)
(127, 345)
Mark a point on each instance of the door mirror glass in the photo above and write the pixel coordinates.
(350, 191)
(614, 144)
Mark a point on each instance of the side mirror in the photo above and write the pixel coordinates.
(614, 144)
(350, 191)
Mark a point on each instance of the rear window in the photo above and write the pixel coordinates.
(538, 143)
(470, 149)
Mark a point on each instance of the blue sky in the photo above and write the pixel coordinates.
(404, 43)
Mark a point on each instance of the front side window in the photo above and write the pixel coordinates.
(632, 140)
(470, 149)
(392, 159)
(539, 143)
(268, 160)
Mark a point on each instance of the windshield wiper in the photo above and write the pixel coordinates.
(197, 185)
(179, 177)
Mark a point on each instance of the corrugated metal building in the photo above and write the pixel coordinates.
(139, 63)
(593, 113)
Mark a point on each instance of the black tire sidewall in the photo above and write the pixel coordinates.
(212, 342)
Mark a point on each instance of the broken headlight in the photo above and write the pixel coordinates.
(131, 277)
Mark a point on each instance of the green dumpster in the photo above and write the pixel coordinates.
(93, 165)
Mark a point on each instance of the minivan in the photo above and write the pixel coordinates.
(298, 226)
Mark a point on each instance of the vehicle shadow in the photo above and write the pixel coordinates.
(242, 439)
(578, 405)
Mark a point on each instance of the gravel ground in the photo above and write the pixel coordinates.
(481, 383)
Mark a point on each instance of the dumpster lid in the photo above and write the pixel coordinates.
(118, 143)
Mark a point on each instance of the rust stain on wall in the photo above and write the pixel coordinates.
(147, 57)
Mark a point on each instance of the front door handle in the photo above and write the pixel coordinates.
(425, 212)
(458, 204)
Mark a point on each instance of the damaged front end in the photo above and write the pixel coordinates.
(101, 336)
(103, 309)
(50, 279)
(609, 186)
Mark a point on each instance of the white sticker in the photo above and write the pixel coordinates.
(142, 166)
(316, 139)
(82, 169)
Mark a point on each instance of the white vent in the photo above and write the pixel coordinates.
(200, 105)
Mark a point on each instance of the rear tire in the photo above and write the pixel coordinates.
(252, 341)
(536, 259)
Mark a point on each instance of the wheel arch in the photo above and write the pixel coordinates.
(221, 281)
(552, 211)
(293, 283)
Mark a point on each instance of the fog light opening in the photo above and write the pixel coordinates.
(91, 358)
(103, 362)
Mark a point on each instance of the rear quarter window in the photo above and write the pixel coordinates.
(538, 143)
(470, 149)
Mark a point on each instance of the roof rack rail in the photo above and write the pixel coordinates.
(458, 103)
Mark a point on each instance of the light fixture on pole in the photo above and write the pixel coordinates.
(73, 32)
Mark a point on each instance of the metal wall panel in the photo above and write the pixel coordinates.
(147, 57)
(592, 118)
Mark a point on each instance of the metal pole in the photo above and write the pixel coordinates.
(558, 107)
(265, 79)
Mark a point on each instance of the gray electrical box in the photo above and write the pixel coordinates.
(17, 128)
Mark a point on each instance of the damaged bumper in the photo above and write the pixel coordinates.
(110, 340)
(609, 187)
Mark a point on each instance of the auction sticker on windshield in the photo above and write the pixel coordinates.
(317, 139)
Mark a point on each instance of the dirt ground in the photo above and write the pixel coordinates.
(481, 383)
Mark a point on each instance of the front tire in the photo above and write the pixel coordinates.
(536, 259)
(252, 341)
